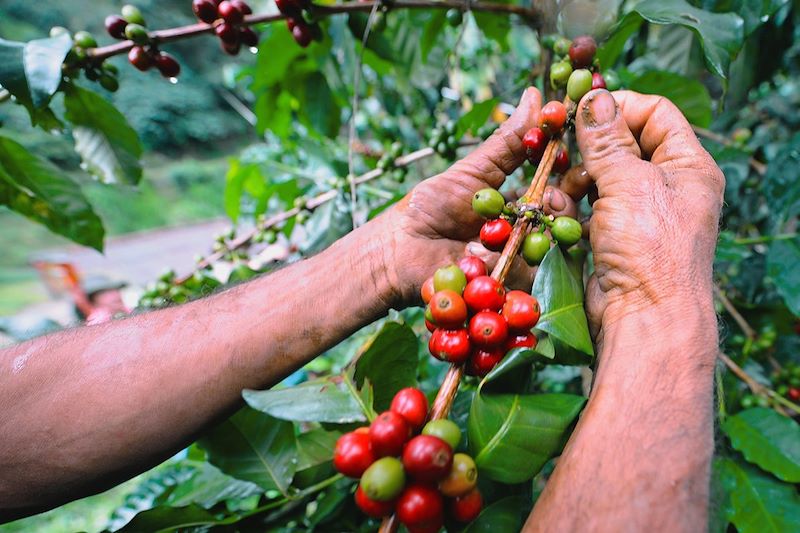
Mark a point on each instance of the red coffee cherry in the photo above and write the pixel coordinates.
(411, 404)
(521, 340)
(561, 163)
(248, 36)
(242, 6)
(598, 82)
(420, 508)
(167, 65)
(115, 26)
(552, 117)
(140, 58)
(427, 459)
(466, 508)
(290, 8)
(582, 50)
(794, 394)
(427, 290)
(388, 433)
(451, 345)
(482, 361)
(227, 33)
(353, 454)
(231, 48)
(521, 311)
(484, 292)
(448, 309)
(430, 326)
(373, 508)
(205, 10)
(472, 267)
(303, 34)
(488, 329)
(534, 141)
(229, 12)
(495, 233)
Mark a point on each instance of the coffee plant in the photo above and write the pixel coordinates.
(355, 102)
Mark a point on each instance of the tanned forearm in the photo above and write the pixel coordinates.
(639, 458)
(85, 408)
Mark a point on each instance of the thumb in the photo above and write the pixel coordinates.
(610, 153)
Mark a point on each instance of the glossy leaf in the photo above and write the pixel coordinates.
(612, 48)
(389, 361)
(519, 357)
(560, 295)
(688, 94)
(208, 486)
(780, 185)
(507, 514)
(512, 436)
(770, 440)
(38, 190)
(169, 519)
(254, 447)
(782, 261)
(109, 147)
(433, 30)
(13, 79)
(43, 59)
(758, 503)
(333, 399)
(318, 107)
(475, 117)
(495, 26)
(315, 447)
(755, 13)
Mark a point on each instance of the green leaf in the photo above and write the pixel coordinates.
(512, 436)
(758, 502)
(109, 147)
(333, 399)
(169, 519)
(14, 79)
(609, 52)
(254, 447)
(721, 34)
(756, 13)
(519, 357)
(507, 514)
(495, 26)
(38, 190)
(208, 486)
(318, 107)
(475, 117)
(770, 440)
(315, 447)
(780, 185)
(688, 94)
(782, 260)
(389, 360)
(236, 177)
(560, 295)
(43, 59)
(432, 31)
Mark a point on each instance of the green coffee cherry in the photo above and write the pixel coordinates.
(548, 41)
(84, 39)
(384, 479)
(447, 430)
(132, 15)
(580, 83)
(613, 82)
(109, 83)
(559, 74)
(488, 203)
(535, 247)
(566, 230)
(454, 17)
(136, 33)
(449, 277)
(561, 46)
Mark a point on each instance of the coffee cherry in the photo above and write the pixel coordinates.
(582, 51)
(449, 278)
(535, 142)
(205, 10)
(580, 83)
(242, 6)
(561, 162)
(472, 267)
(352, 454)
(559, 74)
(132, 15)
(109, 83)
(411, 404)
(233, 49)
(454, 17)
(447, 430)
(137, 33)
(448, 309)
(462, 477)
(427, 290)
(466, 508)
(552, 117)
(794, 394)
(451, 345)
(534, 247)
(495, 233)
(384, 479)
(488, 203)
(248, 36)
(430, 326)
(420, 508)
(140, 58)
(229, 12)
(115, 26)
(521, 340)
(561, 46)
(521, 311)
(84, 39)
(290, 8)
(566, 230)
(427, 459)
(482, 361)
(302, 34)
(488, 329)
(484, 292)
(613, 82)
(388, 433)
(167, 65)
(373, 508)
(597, 81)
(227, 33)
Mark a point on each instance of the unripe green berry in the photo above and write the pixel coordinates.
(560, 73)
(110, 68)
(136, 33)
(454, 17)
(450, 277)
(580, 83)
(447, 430)
(384, 479)
(535, 247)
(92, 74)
(133, 15)
(488, 203)
(548, 41)
(613, 82)
(109, 83)
(561, 46)
(566, 230)
(84, 39)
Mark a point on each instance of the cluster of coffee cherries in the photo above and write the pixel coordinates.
(787, 382)
(408, 467)
(473, 319)
(144, 55)
(299, 20)
(227, 17)
(576, 68)
(77, 59)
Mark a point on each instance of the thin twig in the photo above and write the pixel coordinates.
(746, 328)
(757, 165)
(757, 388)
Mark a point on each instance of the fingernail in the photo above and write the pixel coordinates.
(556, 200)
(600, 109)
(474, 248)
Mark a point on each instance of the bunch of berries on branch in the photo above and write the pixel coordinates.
(300, 21)
(227, 17)
(576, 68)
(77, 59)
(407, 466)
(144, 55)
